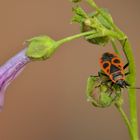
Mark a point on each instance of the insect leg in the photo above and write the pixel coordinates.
(94, 76)
(124, 42)
(127, 73)
(125, 66)
(101, 73)
(111, 89)
(127, 84)
(106, 81)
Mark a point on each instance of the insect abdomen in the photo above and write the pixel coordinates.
(118, 75)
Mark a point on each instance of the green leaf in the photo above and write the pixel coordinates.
(102, 20)
(99, 24)
(79, 14)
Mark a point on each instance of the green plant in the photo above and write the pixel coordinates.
(97, 28)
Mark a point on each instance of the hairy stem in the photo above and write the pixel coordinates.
(126, 120)
(70, 38)
(115, 47)
(119, 108)
(132, 69)
(131, 91)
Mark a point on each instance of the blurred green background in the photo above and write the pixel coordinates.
(47, 101)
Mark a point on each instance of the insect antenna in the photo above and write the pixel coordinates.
(135, 88)
(128, 85)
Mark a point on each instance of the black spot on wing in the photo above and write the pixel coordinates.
(105, 65)
(116, 61)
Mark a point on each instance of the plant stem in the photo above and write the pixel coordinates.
(119, 107)
(131, 91)
(114, 47)
(131, 78)
(67, 39)
(126, 120)
(133, 124)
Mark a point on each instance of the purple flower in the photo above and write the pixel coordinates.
(10, 70)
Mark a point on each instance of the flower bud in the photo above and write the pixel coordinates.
(41, 48)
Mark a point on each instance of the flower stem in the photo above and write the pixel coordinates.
(114, 47)
(70, 38)
(119, 107)
(131, 91)
(131, 78)
(126, 120)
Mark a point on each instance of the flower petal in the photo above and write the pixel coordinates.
(10, 70)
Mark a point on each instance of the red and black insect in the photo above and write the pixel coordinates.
(113, 67)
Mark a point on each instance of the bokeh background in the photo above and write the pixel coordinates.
(47, 101)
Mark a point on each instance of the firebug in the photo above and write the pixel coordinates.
(113, 67)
